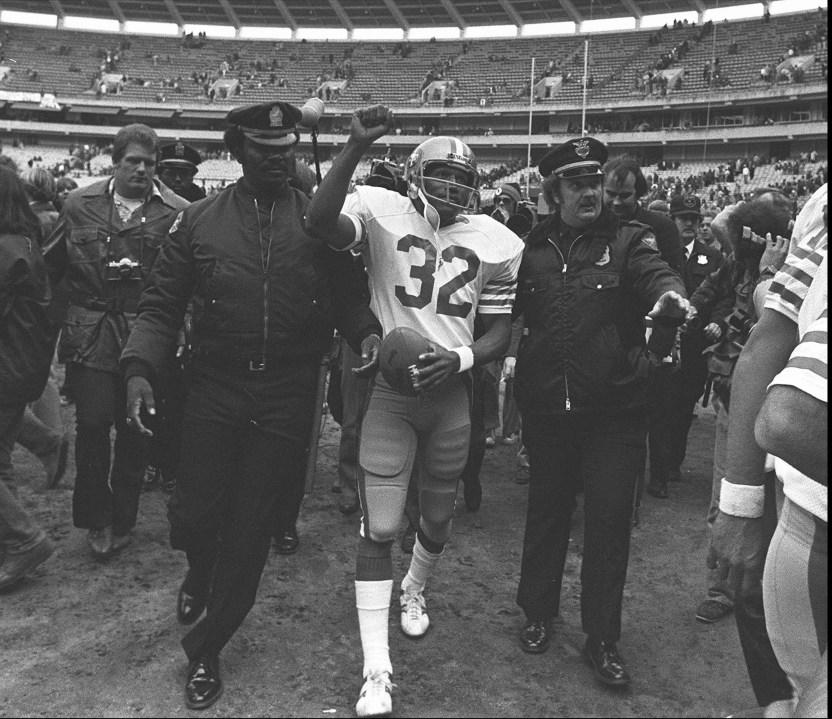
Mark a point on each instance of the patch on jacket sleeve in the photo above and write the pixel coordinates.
(175, 226)
(605, 258)
(649, 239)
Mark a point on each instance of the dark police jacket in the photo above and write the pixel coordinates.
(246, 316)
(583, 347)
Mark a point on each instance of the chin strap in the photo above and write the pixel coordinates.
(428, 211)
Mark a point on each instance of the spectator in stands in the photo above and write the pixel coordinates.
(103, 247)
(177, 169)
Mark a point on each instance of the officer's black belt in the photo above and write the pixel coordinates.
(110, 304)
(247, 364)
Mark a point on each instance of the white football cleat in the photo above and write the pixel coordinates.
(415, 620)
(376, 698)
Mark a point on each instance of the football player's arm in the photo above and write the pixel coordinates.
(737, 535)
(792, 425)
(323, 215)
(436, 366)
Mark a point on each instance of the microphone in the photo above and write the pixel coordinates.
(310, 113)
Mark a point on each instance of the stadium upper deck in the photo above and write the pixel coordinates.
(446, 75)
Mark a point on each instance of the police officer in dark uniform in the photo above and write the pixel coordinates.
(585, 284)
(267, 298)
(676, 392)
(177, 169)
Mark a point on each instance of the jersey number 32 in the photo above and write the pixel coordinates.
(425, 274)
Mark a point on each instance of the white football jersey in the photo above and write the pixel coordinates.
(434, 283)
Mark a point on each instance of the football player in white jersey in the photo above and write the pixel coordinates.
(433, 267)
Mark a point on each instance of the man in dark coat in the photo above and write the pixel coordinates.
(586, 282)
(266, 299)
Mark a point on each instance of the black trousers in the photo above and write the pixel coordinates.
(601, 454)
(171, 390)
(102, 496)
(673, 396)
(244, 448)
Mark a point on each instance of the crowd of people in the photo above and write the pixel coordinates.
(192, 330)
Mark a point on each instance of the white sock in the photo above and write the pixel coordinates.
(372, 600)
(421, 566)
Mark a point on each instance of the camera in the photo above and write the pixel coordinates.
(124, 269)
(739, 323)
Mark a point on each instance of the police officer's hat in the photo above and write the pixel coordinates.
(685, 205)
(580, 157)
(178, 154)
(267, 123)
(508, 191)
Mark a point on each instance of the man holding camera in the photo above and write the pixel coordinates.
(102, 249)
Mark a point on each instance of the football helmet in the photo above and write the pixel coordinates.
(440, 152)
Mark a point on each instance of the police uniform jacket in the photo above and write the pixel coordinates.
(89, 235)
(667, 236)
(252, 309)
(192, 193)
(703, 261)
(583, 347)
(26, 335)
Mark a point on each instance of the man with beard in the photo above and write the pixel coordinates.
(177, 169)
(266, 299)
(585, 283)
(624, 185)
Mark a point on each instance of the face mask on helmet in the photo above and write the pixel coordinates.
(443, 170)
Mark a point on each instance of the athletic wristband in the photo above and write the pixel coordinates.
(358, 239)
(741, 500)
(466, 357)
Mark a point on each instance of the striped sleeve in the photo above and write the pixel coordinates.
(791, 284)
(497, 296)
(808, 365)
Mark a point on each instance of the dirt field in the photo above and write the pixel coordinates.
(85, 638)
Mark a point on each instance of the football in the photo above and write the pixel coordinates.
(400, 350)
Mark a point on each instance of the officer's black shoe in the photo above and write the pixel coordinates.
(472, 490)
(605, 661)
(203, 686)
(189, 607)
(535, 636)
(288, 541)
(657, 489)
